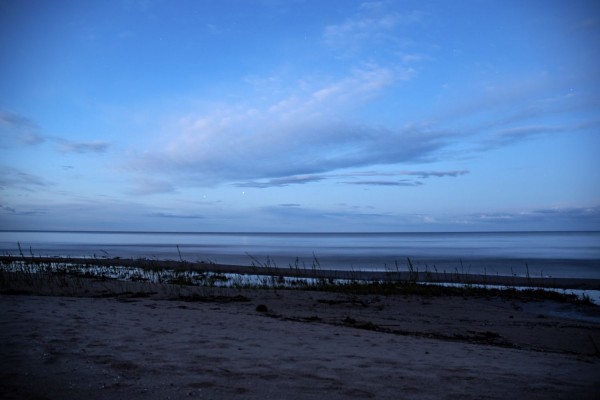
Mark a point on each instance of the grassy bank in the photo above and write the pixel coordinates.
(34, 274)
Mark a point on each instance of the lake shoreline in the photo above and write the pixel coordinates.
(390, 275)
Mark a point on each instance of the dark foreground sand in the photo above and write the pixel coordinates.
(306, 345)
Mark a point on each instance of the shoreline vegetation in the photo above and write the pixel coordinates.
(266, 274)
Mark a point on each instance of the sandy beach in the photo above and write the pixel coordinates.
(116, 340)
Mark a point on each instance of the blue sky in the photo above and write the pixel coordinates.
(263, 115)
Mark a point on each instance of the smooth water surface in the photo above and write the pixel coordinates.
(557, 254)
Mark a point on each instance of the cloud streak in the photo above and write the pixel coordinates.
(437, 174)
(280, 182)
(7, 209)
(176, 216)
(573, 218)
(386, 183)
(403, 182)
(16, 129)
(537, 219)
(147, 186)
(66, 146)
(15, 178)
(510, 136)
(304, 179)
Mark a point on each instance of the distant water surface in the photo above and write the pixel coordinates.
(556, 254)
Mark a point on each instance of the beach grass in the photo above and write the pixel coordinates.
(34, 273)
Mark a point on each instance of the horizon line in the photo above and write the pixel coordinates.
(286, 232)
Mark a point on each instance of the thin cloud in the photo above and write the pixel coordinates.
(352, 218)
(420, 174)
(148, 186)
(66, 146)
(313, 214)
(29, 213)
(18, 129)
(15, 178)
(361, 84)
(386, 183)
(437, 174)
(280, 182)
(512, 103)
(176, 216)
(7, 209)
(14, 119)
(513, 135)
(295, 180)
(574, 216)
(578, 211)
(402, 182)
(510, 136)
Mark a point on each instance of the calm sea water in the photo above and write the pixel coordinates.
(556, 254)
